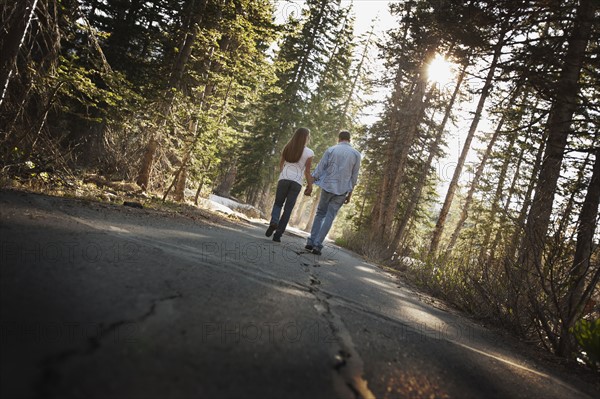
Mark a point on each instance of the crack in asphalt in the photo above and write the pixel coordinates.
(49, 364)
(314, 280)
(348, 365)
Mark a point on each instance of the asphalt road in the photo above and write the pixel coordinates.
(105, 301)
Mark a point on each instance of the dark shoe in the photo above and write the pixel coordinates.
(316, 251)
(270, 230)
(277, 238)
(309, 247)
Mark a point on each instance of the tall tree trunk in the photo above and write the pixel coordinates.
(405, 124)
(495, 209)
(381, 199)
(307, 50)
(179, 192)
(559, 123)
(578, 293)
(388, 212)
(439, 227)
(16, 31)
(509, 196)
(479, 172)
(397, 102)
(147, 160)
(496, 200)
(433, 150)
(565, 219)
(527, 198)
(359, 69)
(224, 187)
(181, 174)
(512, 243)
(175, 80)
(189, 39)
(464, 213)
(361, 216)
(206, 166)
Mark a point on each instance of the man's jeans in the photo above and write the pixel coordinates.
(329, 205)
(287, 191)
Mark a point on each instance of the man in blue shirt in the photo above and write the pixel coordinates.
(336, 174)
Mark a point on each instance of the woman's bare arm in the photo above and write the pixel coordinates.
(309, 178)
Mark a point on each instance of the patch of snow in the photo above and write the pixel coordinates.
(218, 207)
(229, 202)
(408, 261)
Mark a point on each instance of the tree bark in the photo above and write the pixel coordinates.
(388, 212)
(201, 185)
(224, 188)
(527, 198)
(359, 68)
(568, 207)
(16, 32)
(559, 124)
(464, 213)
(509, 196)
(439, 227)
(578, 294)
(381, 200)
(188, 42)
(147, 160)
(404, 124)
(479, 172)
(175, 80)
(495, 203)
(179, 192)
(433, 150)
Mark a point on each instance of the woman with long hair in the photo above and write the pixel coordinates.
(294, 164)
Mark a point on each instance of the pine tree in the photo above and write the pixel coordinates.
(300, 62)
(558, 130)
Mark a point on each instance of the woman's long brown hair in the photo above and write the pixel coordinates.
(294, 148)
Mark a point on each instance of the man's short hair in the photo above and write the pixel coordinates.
(344, 135)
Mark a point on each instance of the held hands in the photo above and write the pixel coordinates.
(308, 190)
(309, 180)
(348, 196)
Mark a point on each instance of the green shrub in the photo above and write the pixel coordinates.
(587, 334)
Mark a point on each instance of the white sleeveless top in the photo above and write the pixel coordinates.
(295, 171)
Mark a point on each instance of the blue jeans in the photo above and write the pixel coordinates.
(329, 205)
(287, 191)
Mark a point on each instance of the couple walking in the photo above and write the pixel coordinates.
(336, 174)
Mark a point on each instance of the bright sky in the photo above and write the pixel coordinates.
(366, 11)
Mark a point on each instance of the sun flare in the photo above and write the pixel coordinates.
(440, 70)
